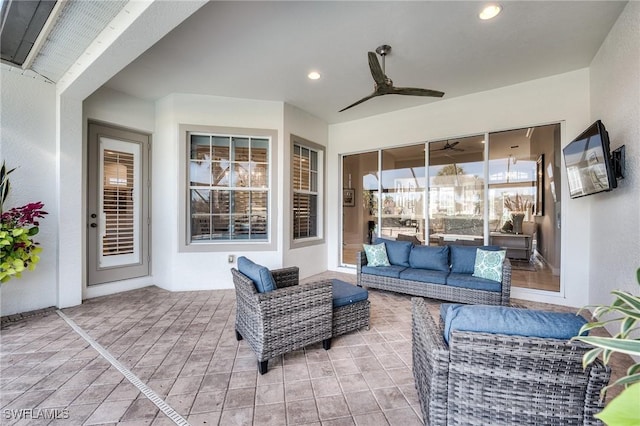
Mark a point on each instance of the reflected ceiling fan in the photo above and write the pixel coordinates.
(384, 85)
(450, 146)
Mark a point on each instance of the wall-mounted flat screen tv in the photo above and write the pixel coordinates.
(588, 162)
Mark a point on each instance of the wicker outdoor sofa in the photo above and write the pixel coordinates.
(479, 378)
(496, 295)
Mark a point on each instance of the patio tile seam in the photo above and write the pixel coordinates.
(132, 378)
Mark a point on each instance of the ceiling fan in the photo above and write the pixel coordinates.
(450, 146)
(384, 85)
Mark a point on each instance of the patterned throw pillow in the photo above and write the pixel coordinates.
(489, 264)
(376, 255)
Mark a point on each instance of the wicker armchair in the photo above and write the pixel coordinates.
(283, 320)
(481, 379)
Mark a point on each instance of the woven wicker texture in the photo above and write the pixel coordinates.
(483, 379)
(351, 317)
(437, 291)
(286, 319)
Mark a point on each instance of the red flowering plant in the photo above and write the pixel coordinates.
(18, 226)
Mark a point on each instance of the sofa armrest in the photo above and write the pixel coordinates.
(506, 282)
(430, 363)
(599, 376)
(286, 277)
(361, 260)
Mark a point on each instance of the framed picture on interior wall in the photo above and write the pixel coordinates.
(348, 197)
(539, 207)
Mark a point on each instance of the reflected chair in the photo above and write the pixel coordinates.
(412, 238)
(285, 319)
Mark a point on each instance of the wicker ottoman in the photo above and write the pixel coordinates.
(350, 308)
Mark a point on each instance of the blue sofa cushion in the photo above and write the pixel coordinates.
(424, 275)
(512, 321)
(260, 275)
(346, 294)
(425, 257)
(376, 254)
(397, 251)
(463, 258)
(444, 307)
(469, 281)
(392, 271)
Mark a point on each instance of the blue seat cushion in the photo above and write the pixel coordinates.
(469, 281)
(392, 271)
(397, 251)
(444, 307)
(463, 258)
(426, 257)
(260, 275)
(346, 294)
(424, 275)
(512, 321)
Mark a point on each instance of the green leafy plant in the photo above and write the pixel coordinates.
(622, 410)
(18, 226)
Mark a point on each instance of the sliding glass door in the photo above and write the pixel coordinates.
(359, 203)
(403, 193)
(456, 191)
(524, 203)
(501, 188)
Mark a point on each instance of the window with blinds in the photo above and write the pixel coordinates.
(304, 177)
(118, 203)
(229, 187)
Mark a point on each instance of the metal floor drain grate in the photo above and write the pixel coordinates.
(142, 387)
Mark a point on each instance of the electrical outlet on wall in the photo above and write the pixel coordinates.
(231, 258)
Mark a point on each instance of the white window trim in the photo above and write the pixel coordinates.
(184, 241)
(321, 150)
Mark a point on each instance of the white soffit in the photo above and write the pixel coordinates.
(78, 24)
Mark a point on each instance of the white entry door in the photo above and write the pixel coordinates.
(118, 204)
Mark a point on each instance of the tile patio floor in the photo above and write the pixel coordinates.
(182, 346)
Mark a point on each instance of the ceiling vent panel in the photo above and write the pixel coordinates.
(78, 24)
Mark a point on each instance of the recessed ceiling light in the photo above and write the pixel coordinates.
(490, 11)
(313, 75)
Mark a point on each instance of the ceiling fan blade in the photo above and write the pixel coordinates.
(414, 91)
(366, 98)
(376, 69)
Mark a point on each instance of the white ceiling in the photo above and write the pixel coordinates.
(264, 50)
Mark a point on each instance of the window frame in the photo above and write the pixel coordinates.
(184, 198)
(320, 191)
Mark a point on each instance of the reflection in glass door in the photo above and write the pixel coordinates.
(359, 203)
(524, 203)
(398, 213)
(456, 191)
(403, 194)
